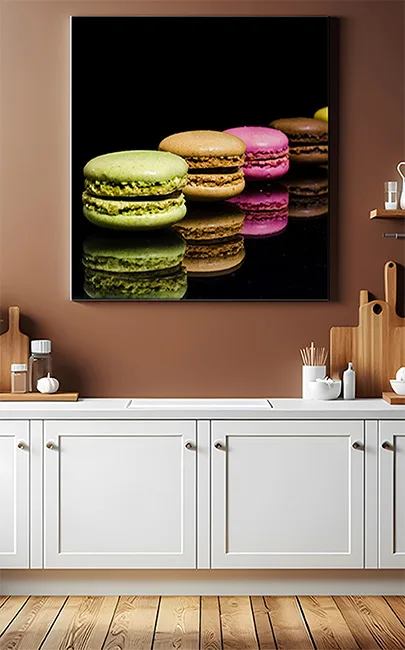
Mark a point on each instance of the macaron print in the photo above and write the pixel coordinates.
(307, 137)
(144, 267)
(215, 245)
(266, 209)
(266, 154)
(134, 190)
(214, 161)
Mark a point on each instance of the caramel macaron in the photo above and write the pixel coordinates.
(214, 162)
(307, 137)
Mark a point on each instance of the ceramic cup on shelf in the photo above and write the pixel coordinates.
(311, 373)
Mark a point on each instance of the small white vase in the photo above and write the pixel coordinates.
(402, 194)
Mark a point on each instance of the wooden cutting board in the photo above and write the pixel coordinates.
(14, 348)
(376, 346)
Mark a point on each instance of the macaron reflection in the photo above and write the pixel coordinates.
(266, 209)
(144, 267)
(213, 236)
(308, 193)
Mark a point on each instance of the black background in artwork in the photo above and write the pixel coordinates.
(136, 80)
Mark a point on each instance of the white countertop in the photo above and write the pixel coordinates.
(210, 408)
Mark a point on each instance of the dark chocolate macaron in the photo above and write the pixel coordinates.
(307, 137)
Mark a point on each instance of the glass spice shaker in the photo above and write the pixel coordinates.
(18, 377)
(39, 363)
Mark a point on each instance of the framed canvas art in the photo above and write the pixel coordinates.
(201, 158)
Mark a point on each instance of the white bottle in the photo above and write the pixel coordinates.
(349, 382)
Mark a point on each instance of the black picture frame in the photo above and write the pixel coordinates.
(213, 72)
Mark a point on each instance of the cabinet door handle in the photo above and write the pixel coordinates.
(387, 445)
(188, 445)
(357, 445)
(21, 445)
(218, 445)
(50, 445)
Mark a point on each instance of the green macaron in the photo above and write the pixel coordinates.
(146, 267)
(134, 190)
(135, 173)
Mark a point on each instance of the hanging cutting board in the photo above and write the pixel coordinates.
(14, 348)
(376, 346)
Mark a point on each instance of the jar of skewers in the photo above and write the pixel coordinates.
(313, 367)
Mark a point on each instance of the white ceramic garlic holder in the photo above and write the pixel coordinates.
(47, 384)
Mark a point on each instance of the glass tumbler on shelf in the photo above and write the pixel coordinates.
(39, 363)
(391, 195)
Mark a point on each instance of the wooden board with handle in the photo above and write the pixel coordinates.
(376, 346)
(14, 348)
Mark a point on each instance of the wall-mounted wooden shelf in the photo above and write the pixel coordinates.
(39, 397)
(387, 214)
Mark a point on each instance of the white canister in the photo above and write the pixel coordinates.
(311, 373)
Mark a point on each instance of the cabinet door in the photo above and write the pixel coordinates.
(392, 494)
(120, 494)
(287, 494)
(14, 494)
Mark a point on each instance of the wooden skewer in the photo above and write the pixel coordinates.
(312, 356)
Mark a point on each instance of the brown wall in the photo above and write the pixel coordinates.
(186, 349)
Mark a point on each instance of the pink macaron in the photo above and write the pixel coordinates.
(266, 209)
(267, 154)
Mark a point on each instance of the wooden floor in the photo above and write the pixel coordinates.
(207, 623)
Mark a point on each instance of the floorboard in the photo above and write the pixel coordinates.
(9, 609)
(178, 624)
(397, 604)
(83, 623)
(381, 621)
(264, 629)
(202, 623)
(288, 624)
(133, 624)
(32, 623)
(238, 629)
(328, 628)
(353, 618)
(210, 632)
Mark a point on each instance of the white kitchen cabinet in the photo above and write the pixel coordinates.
(120, 494)
(392, 494)
(14, 494)
(288, 494)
